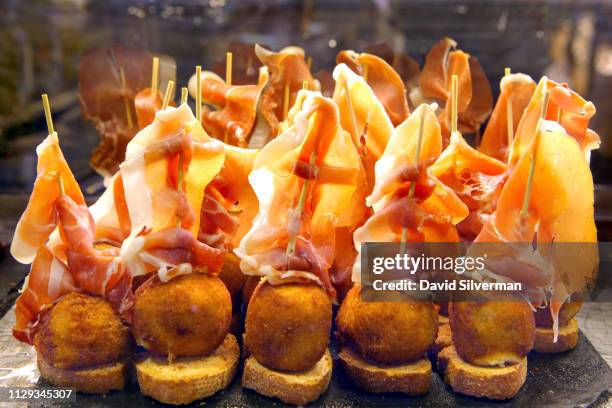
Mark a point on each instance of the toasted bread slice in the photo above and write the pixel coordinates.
(412, 378)
(567, 339)
(96, 380)
(443, 340)
(496, 383)
(297, 388)
(188, 379)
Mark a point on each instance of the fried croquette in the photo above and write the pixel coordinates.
(492, 333)
(287, 326)
(387, 332)
(187, 316)
(232, 276)
(82, 331)
(567, 313)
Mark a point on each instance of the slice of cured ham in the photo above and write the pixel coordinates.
(383, 79)
(39, 219)
(363, 116)
(517, 88)
(230, 204)
(102, 95)
(475, 177)
(287, 68)
(560, 211)
(475, 97)
(565, 107)
(315, 158)
(165, 214)
(432, 211)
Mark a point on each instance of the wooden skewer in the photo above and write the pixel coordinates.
(309, 63)
(179, 185)
(509, 115)
(417, 156)
(300, 206)
(49, 120)
(169, 91)
(198, 93)
(154, 74)
(286, 95)
(126, 103)
(535, 143)
(48, 116)
(304, 85)
(228, 68)
(60, 184)
(184, 95)
(259, 76)
(229, 58)
(454, 98)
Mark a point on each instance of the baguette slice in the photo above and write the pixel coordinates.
(188, 379)
(443, 340)
(412, 378)
(567, 339)
(97, 380)
(298, 388)
(497, 383)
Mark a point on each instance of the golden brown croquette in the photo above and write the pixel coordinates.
(387, 332)
(82, 331)
(287, 326)
(492, 333)
(188, 316)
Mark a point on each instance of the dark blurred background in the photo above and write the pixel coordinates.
(41, 41)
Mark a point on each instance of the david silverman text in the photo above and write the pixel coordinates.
(453, 285)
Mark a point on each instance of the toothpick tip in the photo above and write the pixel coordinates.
(154, 75)
(167, 96)
(228, 68)
(47, 109)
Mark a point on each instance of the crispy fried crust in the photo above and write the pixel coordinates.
(392, 333)
(443, 340)
(567, 339)
(411, 378)
(189, 316)
(287, 326)
(97, 380)
(297, 388)
(492, 333)
(82, 331)
(190, 378)
(496, 383)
